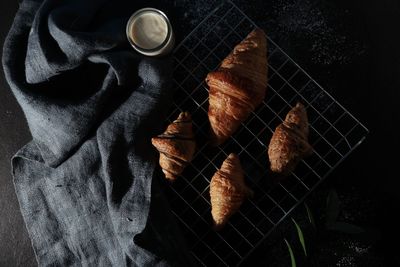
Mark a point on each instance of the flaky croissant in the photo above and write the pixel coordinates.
(289, 143)
(238, 86)
(176, 146)
(227, 191)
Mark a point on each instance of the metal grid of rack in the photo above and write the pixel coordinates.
(334, 133)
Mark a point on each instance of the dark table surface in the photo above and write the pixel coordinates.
(352, 49)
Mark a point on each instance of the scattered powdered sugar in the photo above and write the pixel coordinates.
(318, 26)
(193, 12)
(358, 248)
(355, 251)
(348, 261)
(356, 211)
(318, 29)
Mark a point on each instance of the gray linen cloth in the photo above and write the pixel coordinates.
(86, 183)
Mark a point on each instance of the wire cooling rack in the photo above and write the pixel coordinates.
(334, 133)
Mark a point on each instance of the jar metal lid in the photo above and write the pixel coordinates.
(165, 47)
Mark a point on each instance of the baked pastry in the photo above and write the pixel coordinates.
(227, 191)
(176, 146)
(289, 143)
(238, 86)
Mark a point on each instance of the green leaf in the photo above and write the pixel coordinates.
(346, 228)
(332, 207)
(310, 216)
(301, 237)
(292, 259)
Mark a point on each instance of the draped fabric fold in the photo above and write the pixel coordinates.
(86, 183)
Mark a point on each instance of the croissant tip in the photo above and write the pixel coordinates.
(299, 105)
(169, 176)
(155, 141)
(258, 31)
(233, 156)
(184, 116)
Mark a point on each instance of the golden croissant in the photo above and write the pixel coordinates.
(176, 146)
(238, 86)
(227, 191)
(289, 143)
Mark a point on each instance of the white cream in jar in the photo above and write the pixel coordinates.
(150, 32)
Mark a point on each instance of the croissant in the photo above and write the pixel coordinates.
(289, 143)
(227, 191)
(176, 146)
(238, 86)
